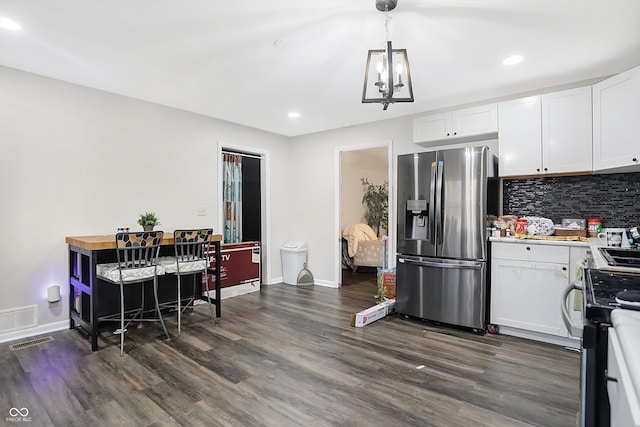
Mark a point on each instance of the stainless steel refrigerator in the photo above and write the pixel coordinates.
(444, 199)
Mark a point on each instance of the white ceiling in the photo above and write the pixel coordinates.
(218, 58)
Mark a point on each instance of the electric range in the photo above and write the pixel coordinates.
(599, 297)
(600, 290)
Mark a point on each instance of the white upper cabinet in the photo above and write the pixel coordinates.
(616, 123)
(461, 125)
(566, 131)
(546, 134)
(520, 136)
(433, 127)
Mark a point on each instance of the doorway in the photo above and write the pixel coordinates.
(373, 162)
(255, 199)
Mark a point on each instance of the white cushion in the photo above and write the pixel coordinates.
(112, 273)
(194, 265)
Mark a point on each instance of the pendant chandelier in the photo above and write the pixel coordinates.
(380, 85)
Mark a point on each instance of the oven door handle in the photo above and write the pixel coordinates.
(574, 330)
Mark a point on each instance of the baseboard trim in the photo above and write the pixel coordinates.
(38, 330)
(537, 336)
(234, 291)
(326, 283)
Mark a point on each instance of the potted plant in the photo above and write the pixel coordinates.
(376, 201)
(148, 220)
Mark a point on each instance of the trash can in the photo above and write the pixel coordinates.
(294, 256)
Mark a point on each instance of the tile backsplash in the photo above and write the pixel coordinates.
(614, 198)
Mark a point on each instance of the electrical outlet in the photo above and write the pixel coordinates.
(201, 211)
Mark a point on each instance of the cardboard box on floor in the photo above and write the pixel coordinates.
(386, 284)
(372, 314)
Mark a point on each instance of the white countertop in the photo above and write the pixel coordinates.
(540, 242)
(627, 326)
(593, 244)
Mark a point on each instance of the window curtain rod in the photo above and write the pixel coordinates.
(253, 156)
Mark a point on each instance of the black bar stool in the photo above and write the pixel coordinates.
(137, 254)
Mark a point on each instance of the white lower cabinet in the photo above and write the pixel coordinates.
(522, 294)
(527, 283)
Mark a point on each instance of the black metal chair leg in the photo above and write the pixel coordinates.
(155, 296)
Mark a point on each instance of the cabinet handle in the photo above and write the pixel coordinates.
(545, 169)
(564, 268)
(448, 134)
(455, 133)
(528, 248)
(538, 170)
(634, 159)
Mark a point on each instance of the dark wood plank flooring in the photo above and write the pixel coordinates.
(287, 356)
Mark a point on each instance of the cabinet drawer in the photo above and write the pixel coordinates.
(531, 252)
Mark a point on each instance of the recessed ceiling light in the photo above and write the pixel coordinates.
(9, 24)
(294, 115)
(512, 60)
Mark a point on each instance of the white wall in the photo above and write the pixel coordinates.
(315, 160)
(314, 219)
(78, 161)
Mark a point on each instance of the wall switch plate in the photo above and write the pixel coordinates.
(201, 211)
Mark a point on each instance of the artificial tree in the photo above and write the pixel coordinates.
(376, 201)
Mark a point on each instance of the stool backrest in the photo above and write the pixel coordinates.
(138, 249)
(191, 245)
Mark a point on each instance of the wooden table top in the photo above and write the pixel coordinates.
(108, 241)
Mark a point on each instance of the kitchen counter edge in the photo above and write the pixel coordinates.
(540, 242)
(108, 241)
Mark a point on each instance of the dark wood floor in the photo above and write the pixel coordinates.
(287, 356)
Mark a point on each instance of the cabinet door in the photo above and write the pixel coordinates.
(431, 128)
(566, 131)
(527, 295)
(475, 121)
(520, 136)
(616, 123)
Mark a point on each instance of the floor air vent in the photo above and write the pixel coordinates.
(30, 343)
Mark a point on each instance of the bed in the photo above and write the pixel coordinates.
(361, 247)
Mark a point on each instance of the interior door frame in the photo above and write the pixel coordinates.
(265, 204)
(338, 198)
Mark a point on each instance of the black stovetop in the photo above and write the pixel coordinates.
(600, 290)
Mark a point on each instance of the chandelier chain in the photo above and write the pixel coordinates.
(387, 19)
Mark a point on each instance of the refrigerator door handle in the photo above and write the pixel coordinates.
(439, 205)
(432, 204)
(474, 266)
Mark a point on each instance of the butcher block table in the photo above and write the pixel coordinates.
(91, 298)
